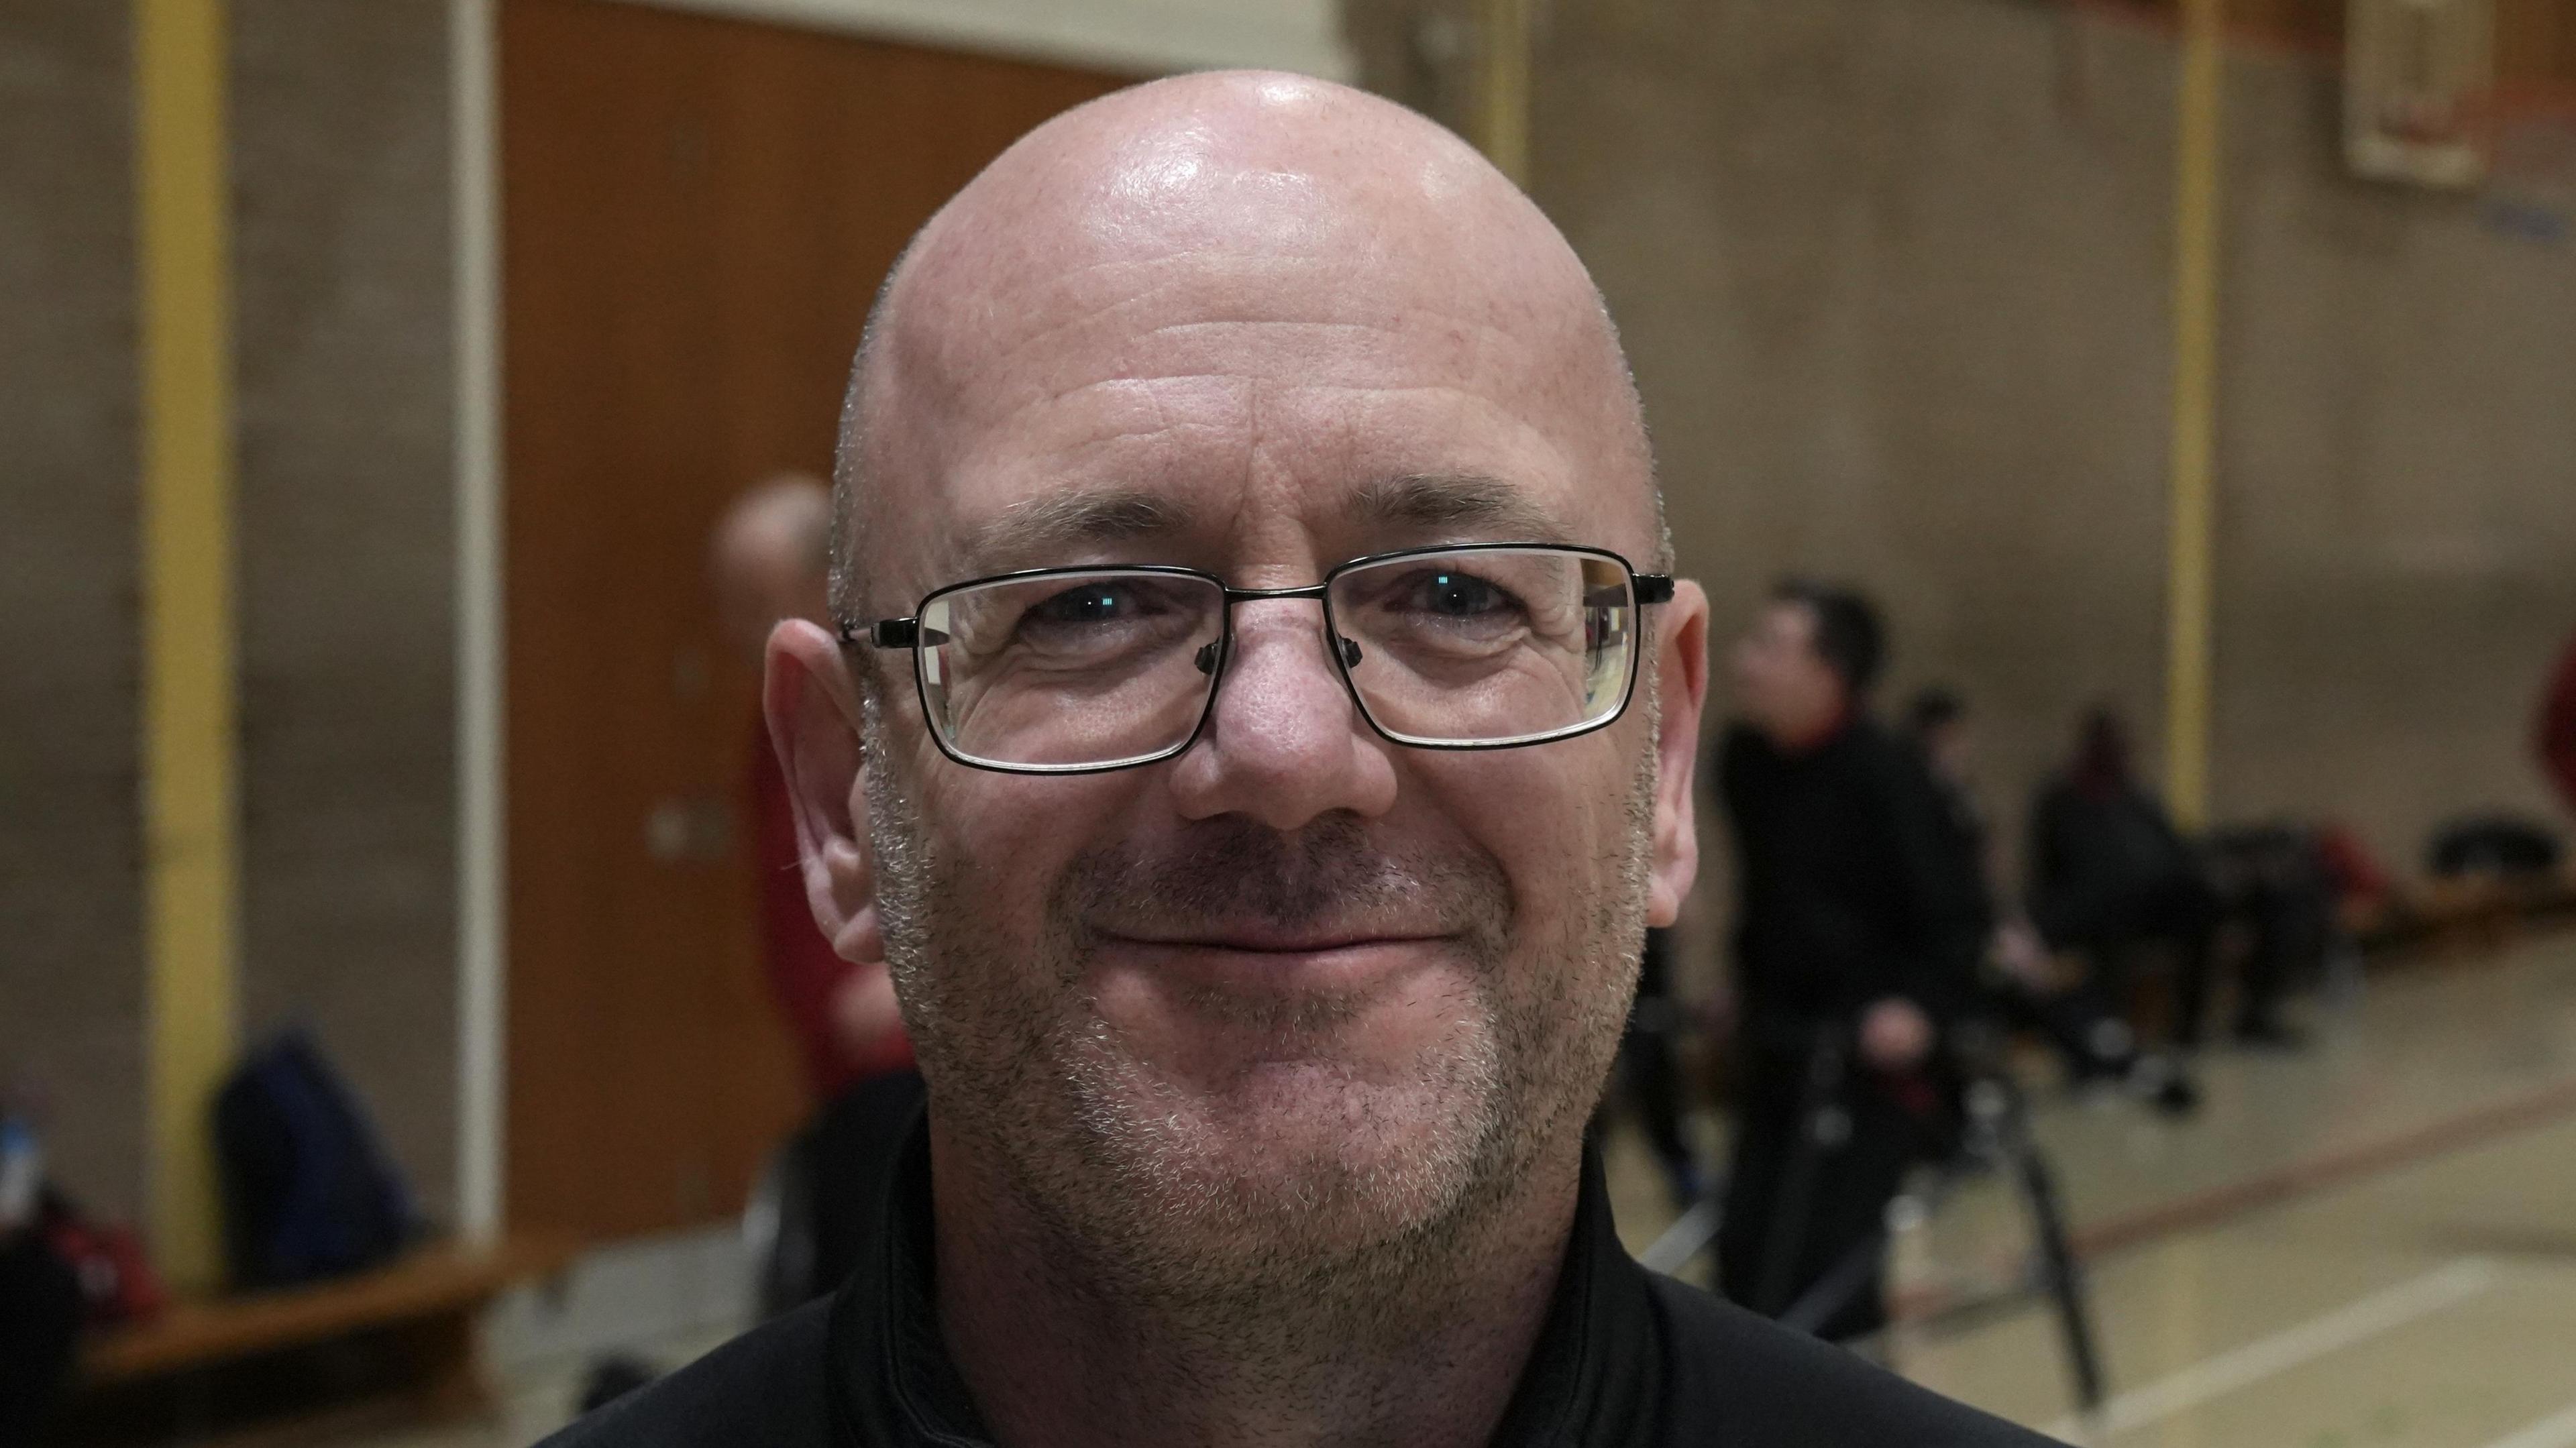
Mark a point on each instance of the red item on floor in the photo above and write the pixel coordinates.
(117, 1282)
(2354, 872)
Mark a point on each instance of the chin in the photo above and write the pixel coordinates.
(1287, 1167)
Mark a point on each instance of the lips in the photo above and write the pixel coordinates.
(1264, 960)
(1275, 941)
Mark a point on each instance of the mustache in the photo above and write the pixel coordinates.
(1236, 871)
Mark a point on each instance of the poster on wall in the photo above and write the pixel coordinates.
(2419, 77)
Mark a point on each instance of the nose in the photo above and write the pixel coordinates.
(1284, 744)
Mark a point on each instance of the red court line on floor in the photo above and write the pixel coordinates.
(2468, 1128)
(2197, 1211)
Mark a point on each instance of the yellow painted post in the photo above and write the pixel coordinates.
(1503, 87)
(2195, 403)
(190, 813)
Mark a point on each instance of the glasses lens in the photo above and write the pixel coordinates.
(1072, 670)
(1488, 646)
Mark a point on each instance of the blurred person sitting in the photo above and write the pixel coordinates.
(1855, 943)
(40, 1318)
(2280, 893)
(1246, 739)
(2554, 733)
(2025, 987)
(41, 1303)
(2110, 877)
(771, 560)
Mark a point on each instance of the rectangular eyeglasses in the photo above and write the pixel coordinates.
(1077, 670)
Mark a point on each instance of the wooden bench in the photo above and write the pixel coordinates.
(416, 1323)
(2470, 918)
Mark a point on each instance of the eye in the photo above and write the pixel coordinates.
(1452, 594)
(1453, 598)
(1098, 618)
(1092, 603)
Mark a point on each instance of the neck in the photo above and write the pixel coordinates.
(1061, 1347)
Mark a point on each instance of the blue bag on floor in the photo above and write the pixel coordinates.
(308, 1190)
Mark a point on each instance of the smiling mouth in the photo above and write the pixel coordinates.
(1274, 942)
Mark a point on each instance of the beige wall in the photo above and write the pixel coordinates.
(71, 973)
(2398, 443)
(345, 566)
(1121, 37)
(348, 622)
(1894, 277)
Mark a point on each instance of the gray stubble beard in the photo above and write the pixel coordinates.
(1110, 1161)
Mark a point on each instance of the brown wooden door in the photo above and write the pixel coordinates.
(696, 213)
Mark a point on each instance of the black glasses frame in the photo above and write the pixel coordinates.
(905, 633)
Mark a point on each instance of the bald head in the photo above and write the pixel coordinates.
(1224, 279)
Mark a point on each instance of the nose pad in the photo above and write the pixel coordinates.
(1350, 651)
(1207, 655)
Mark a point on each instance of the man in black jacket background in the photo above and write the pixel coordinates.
(1856, 942)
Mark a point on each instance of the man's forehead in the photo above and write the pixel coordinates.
(1191, 226)
(1071, 521)
(1257, 231)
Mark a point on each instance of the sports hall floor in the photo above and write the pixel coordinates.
(2368, 1245)
(2371, 1244)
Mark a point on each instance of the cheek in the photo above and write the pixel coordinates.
(1003, 841)
(1554, 816)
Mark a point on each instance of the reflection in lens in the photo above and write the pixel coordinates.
(1069, 670)
(1488, 646)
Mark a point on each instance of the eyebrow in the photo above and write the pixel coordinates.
(1048, 527)
(1445, 502)
(1044, 527)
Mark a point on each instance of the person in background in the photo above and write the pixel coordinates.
(771, 560)
(2554, 736)
(40, 1295)
(2109, 874)
(1854, 951)
(2076, 1018)
(40, 1314)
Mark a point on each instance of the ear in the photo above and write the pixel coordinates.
(814, 719)
(1681, 679)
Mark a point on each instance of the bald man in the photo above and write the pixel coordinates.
(1257, 734)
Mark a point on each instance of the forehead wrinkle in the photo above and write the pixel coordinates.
(1056, 522)
(1242, 309)
(1470, 357)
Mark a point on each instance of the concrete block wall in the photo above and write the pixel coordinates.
(345, 567)
(1895, 277)
(2398, 462)
(71, 955)
(347, 418)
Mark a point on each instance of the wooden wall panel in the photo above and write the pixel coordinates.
(697, 213)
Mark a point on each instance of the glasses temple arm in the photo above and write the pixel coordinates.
(885, 633)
